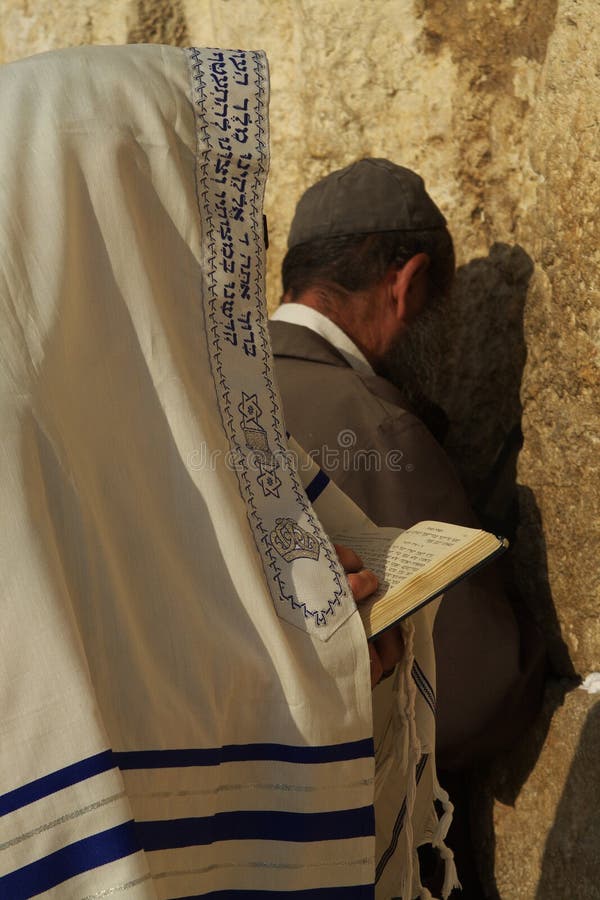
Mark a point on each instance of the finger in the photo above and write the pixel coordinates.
(362, 584)
(376, 667)
(390, 648)
(350, 560)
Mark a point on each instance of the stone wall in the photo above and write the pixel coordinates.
(495, 103)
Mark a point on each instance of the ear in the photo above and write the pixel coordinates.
(407, 287)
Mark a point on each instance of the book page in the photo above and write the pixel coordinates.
(416, 565)
(395, 555)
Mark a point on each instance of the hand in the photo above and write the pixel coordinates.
(386, 650)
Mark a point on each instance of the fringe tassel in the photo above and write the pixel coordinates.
(397, 747)
(401, 736)
(405, 752)
(450, 875)
(411, 751)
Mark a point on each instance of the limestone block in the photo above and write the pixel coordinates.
(545, 843)
(159, 22)
(348, 80)
(561, 384)
(27, 28)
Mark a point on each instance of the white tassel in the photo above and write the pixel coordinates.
(450, 874)
(411, 752)
(405, 752)
(448, 810)
(399, 718)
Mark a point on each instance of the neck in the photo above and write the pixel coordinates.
(348, 312)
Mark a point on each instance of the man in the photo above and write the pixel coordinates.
(369, 263)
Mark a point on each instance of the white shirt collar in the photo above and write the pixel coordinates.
(299, 314)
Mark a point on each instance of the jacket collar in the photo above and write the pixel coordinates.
(298, 342)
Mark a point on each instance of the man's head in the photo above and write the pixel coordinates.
(369, 248)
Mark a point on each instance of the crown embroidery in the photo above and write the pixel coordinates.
(292, 542)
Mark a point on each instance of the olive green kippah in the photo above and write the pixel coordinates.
(368, 196)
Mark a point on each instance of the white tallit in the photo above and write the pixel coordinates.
(185, 702)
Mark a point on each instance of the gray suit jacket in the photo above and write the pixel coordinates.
(364, 435)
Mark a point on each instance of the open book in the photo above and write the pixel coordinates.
(416, 565)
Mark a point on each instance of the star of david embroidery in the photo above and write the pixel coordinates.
(250, 410)
(270, 483)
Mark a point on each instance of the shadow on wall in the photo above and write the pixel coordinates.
(484, 355)
(479, 385)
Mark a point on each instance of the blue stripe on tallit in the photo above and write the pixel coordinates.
(261, 825)
(130, 837)
(387, 855)
(89, 853)
(317, 485)
(424, 686)
(357, 892)
(169, 759)
(56, 781)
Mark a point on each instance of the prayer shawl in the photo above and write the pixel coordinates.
(185, 701)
